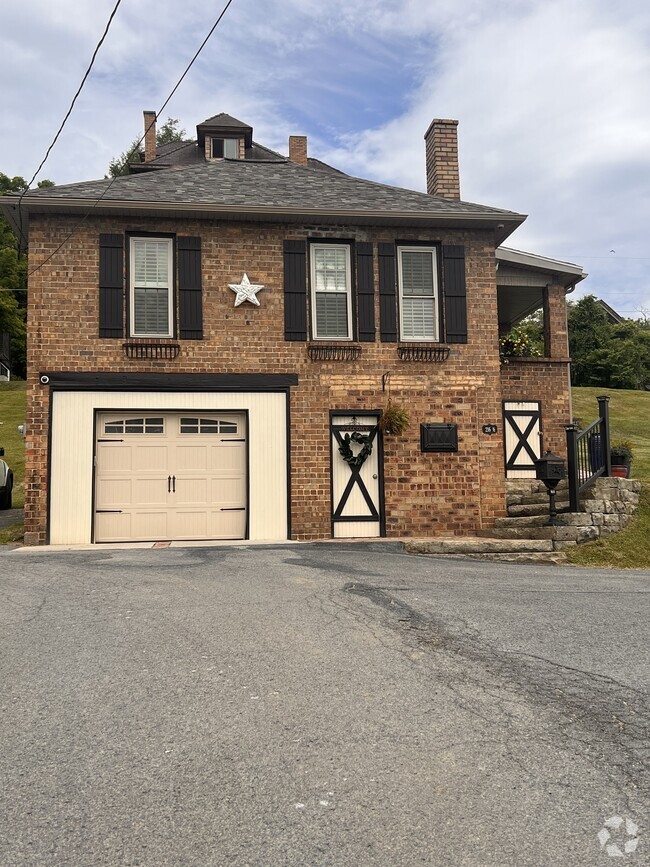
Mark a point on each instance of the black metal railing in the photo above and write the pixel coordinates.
(588, 455)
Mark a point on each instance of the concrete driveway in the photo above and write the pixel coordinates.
(320, 705)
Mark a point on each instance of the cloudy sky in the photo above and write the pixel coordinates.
(553, 99)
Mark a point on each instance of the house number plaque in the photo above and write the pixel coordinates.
(489, 429)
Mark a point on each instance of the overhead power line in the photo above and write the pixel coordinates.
(69, 111)
(137, 144)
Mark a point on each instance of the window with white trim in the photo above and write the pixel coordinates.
(331, 292)
(151, 294)
(418, 293)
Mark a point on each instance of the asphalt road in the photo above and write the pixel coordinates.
(319, 705)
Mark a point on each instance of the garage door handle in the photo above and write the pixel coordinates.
(173, 484)
(238, 509)
(108, 511)
(169, 484)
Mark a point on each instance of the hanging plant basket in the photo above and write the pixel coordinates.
(394, 419)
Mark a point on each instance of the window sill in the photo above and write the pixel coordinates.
(423, 352)
(333, 352)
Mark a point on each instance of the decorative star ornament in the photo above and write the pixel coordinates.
(246, 291)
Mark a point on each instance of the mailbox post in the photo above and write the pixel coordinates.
(550, 470)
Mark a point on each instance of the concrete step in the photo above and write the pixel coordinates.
(478, 545)
(517, 533)
(523, 510)
(569, 519)
(556, 557)
(558, 534)
(536, 499)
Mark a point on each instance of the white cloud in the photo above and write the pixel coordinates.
(551, 98)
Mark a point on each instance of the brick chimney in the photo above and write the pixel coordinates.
(443, 178)
(298, 149)
(149, 136)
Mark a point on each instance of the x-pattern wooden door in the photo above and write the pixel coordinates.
(356, 491)
(523, 444)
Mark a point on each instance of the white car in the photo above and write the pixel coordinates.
(6, 483)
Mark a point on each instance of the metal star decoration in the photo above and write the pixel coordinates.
(246, 291)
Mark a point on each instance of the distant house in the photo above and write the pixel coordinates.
(213, 340)
(613, 317)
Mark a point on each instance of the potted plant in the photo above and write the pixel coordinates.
(394, 419)
(621, 458)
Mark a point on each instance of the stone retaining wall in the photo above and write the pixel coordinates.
(606, 507)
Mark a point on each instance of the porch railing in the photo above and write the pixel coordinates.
(588, 454)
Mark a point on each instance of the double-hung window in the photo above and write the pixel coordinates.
(151, 291)
(418, 293)
(331, 292)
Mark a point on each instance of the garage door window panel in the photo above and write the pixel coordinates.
(207, 426)
(135, 426)
(151, 287)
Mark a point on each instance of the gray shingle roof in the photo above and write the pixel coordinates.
(272, 184)
(225, 120)
(188, 153)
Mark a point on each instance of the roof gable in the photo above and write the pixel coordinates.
(224, 124)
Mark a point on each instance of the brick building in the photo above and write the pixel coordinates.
(214, 337)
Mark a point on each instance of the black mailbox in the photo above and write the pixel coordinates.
(435, 437)
(550, 470)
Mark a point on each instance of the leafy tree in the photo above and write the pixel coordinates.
(120, 165)
(607, 355)
(13, 279)
(589, 330)
(524, 339)
(167, 133)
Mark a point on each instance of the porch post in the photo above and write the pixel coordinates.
(603, 412)
(573, 476)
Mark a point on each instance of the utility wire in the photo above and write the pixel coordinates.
(137, 144)
(69, 111)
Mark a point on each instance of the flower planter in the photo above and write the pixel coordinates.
(620, 471)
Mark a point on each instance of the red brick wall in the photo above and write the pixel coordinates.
(425, 493)
(546, 380)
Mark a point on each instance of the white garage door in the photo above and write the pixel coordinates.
(165, 476)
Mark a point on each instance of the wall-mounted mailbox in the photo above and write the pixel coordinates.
(437, 437)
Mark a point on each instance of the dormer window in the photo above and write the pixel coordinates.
(225, 147)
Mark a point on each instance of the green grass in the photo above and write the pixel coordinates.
(14, 533)
(629, 418)
(629, 414)
(12, 413)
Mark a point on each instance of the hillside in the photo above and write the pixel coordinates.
(629, 414)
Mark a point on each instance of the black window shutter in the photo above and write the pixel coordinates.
(387, 289)
(365, 292)
(190, 299)
(111, 285)
(295, 290)
(453, 257)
